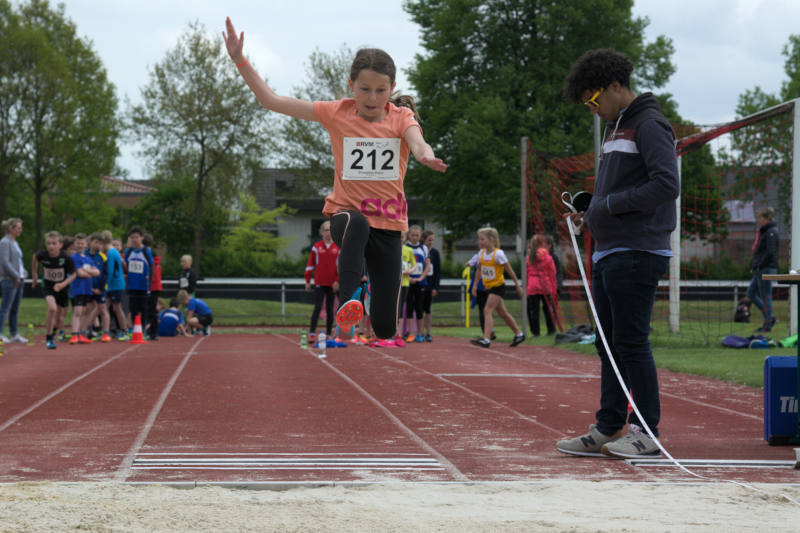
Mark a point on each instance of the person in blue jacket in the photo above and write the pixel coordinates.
(198, 313)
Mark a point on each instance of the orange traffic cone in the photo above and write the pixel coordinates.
(137, 338)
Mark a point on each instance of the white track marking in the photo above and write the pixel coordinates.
(712, 406)
(127, 462)
(450, 467)
(61, 389)
(470, 391)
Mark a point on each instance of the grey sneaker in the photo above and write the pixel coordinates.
(635, 444)
(590, 445)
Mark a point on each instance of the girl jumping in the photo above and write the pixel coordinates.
(371, 138)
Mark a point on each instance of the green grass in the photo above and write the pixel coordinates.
(696, 350)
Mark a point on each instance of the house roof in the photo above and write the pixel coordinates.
(127, 187)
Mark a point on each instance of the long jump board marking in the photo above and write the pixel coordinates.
(285, 461)
(713, 463)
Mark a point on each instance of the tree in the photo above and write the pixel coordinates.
(305, 145)
(167, 215)
(762, 154)
(493, 73)
(199, 122)
(58, 125)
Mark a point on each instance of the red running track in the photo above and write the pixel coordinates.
(258, 408)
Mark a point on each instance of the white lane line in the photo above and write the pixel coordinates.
(127, 462)
(450, 467)
(472, 392)
(713, 406)
(14, 419)
(481, 375)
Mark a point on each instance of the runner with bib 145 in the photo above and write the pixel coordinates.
(372, 134)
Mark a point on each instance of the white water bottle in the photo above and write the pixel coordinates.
(321, 344)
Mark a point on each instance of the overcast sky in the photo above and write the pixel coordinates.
(722, 47)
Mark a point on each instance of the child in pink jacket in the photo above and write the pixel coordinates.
(541, 271)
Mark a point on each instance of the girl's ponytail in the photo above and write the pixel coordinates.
(405, 100)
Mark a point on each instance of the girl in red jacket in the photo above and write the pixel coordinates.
(541, 284)
(322, 265)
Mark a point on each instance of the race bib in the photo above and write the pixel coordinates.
(55, 275)
(371, 159)
(417, 270)
(136, 267)
(488, 273)
(183, 283)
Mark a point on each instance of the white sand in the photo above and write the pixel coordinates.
(549, 506)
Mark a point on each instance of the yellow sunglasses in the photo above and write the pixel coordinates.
(591, 103)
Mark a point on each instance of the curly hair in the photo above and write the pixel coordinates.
(597, 69)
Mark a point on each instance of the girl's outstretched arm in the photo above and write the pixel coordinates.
(267, 97)
(422, 151)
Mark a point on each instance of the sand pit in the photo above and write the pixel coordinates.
(547, 506)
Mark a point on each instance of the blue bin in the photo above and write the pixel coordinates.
(780, 399)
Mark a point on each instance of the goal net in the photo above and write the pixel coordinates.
(728, 173)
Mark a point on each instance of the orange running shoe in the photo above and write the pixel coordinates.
(74, 339)
(105, 338)
(350, 313)
(83, 340)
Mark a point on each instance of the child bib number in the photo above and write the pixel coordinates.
(136, 267)
(54, 274)
(488, 273)
(371, 159)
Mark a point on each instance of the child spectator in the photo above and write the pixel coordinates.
(188, 279)
(68, 247)
(198, 314)
(81, 290)
(138, 261)
(493, 264)
(58, 271)
(97, 304)
(155, 291)
(541, 273)
(170, 320)
(434, 277)
(418, 286)
(115, 284)
(322, 265)
(480, 291)
(409, 265)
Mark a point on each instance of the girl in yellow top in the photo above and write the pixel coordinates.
(493, 264)
(372, 135)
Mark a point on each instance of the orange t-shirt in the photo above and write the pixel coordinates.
(370, 162)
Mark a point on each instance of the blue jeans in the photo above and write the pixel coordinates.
(624, 288)
(10, 306)
(760, 292)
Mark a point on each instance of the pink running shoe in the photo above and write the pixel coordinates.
(386, 343)
(399, 342)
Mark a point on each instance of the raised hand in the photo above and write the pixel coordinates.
(234, 44)
(434, 163)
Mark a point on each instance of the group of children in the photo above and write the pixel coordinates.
(421, 273)
(105, 282)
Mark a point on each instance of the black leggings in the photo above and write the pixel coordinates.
(381, 250)
(319, 294)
